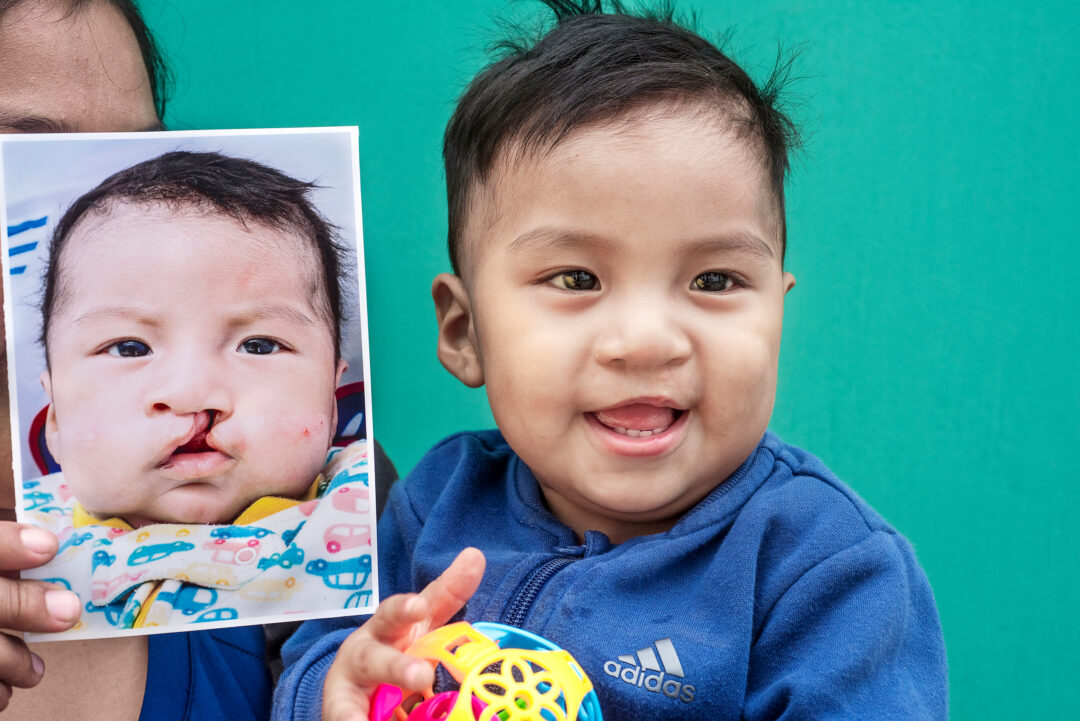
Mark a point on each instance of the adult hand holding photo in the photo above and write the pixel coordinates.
(28, 605)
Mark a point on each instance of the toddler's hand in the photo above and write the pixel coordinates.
(373, 654)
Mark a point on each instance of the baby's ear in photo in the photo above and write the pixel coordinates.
(457, 348)
(50, 418)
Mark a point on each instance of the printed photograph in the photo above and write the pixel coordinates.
(186, 333)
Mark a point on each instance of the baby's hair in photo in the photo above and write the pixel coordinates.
(594, 66)
(245, 190)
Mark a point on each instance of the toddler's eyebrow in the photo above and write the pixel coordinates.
(737, 242)
(546, 238)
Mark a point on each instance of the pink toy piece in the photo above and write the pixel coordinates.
(386, 699)
(438, 707)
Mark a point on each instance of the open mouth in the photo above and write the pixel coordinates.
(642, 428)
(638, 420)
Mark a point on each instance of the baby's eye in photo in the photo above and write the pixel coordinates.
(576, 280)
(260, 346)
(712, 281)
(129, 349)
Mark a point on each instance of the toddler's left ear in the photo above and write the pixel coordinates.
(457, 348)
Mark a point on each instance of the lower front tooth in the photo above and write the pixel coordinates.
(637, 434)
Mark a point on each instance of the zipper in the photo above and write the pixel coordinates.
(515, 613)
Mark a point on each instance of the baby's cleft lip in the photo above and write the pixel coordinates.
(194, 450)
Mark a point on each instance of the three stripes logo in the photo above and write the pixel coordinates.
(654, 668)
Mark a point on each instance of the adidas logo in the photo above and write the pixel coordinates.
(650, 668)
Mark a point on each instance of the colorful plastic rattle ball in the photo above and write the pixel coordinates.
(504, 673)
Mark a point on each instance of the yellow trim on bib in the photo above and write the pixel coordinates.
(145, 610)
(81, 517)
(269, 505)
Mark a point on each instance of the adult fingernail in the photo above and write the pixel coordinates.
(39, 665)
(37, 540)
(62, 605)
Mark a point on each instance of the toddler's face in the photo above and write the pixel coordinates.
(624, 306)
(190, 372)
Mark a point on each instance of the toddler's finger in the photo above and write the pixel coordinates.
(395, 620)
(368, 663)
(23, 546)
(449, 593)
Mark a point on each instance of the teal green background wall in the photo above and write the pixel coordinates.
(931, 343)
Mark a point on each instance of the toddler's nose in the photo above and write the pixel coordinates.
(643, 334)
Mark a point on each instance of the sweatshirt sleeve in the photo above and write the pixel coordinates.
(311, 650)
(857, 636)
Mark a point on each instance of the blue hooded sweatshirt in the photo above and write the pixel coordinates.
(781, 595)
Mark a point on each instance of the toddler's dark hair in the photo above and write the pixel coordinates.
(591, 67)
(245, 190)
(156, 69)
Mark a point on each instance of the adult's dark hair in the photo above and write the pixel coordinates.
(156, 69)
(594, 66)
(250, 192)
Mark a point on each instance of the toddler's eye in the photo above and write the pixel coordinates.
(575, 280)
(260, 346)
(129, 349)
(712, 281)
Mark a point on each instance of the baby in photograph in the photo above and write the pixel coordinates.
(191, 320)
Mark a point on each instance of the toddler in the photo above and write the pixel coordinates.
(617, 236)
(191, 324)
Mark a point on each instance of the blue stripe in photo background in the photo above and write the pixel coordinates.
(26, 225)
(25, 247)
